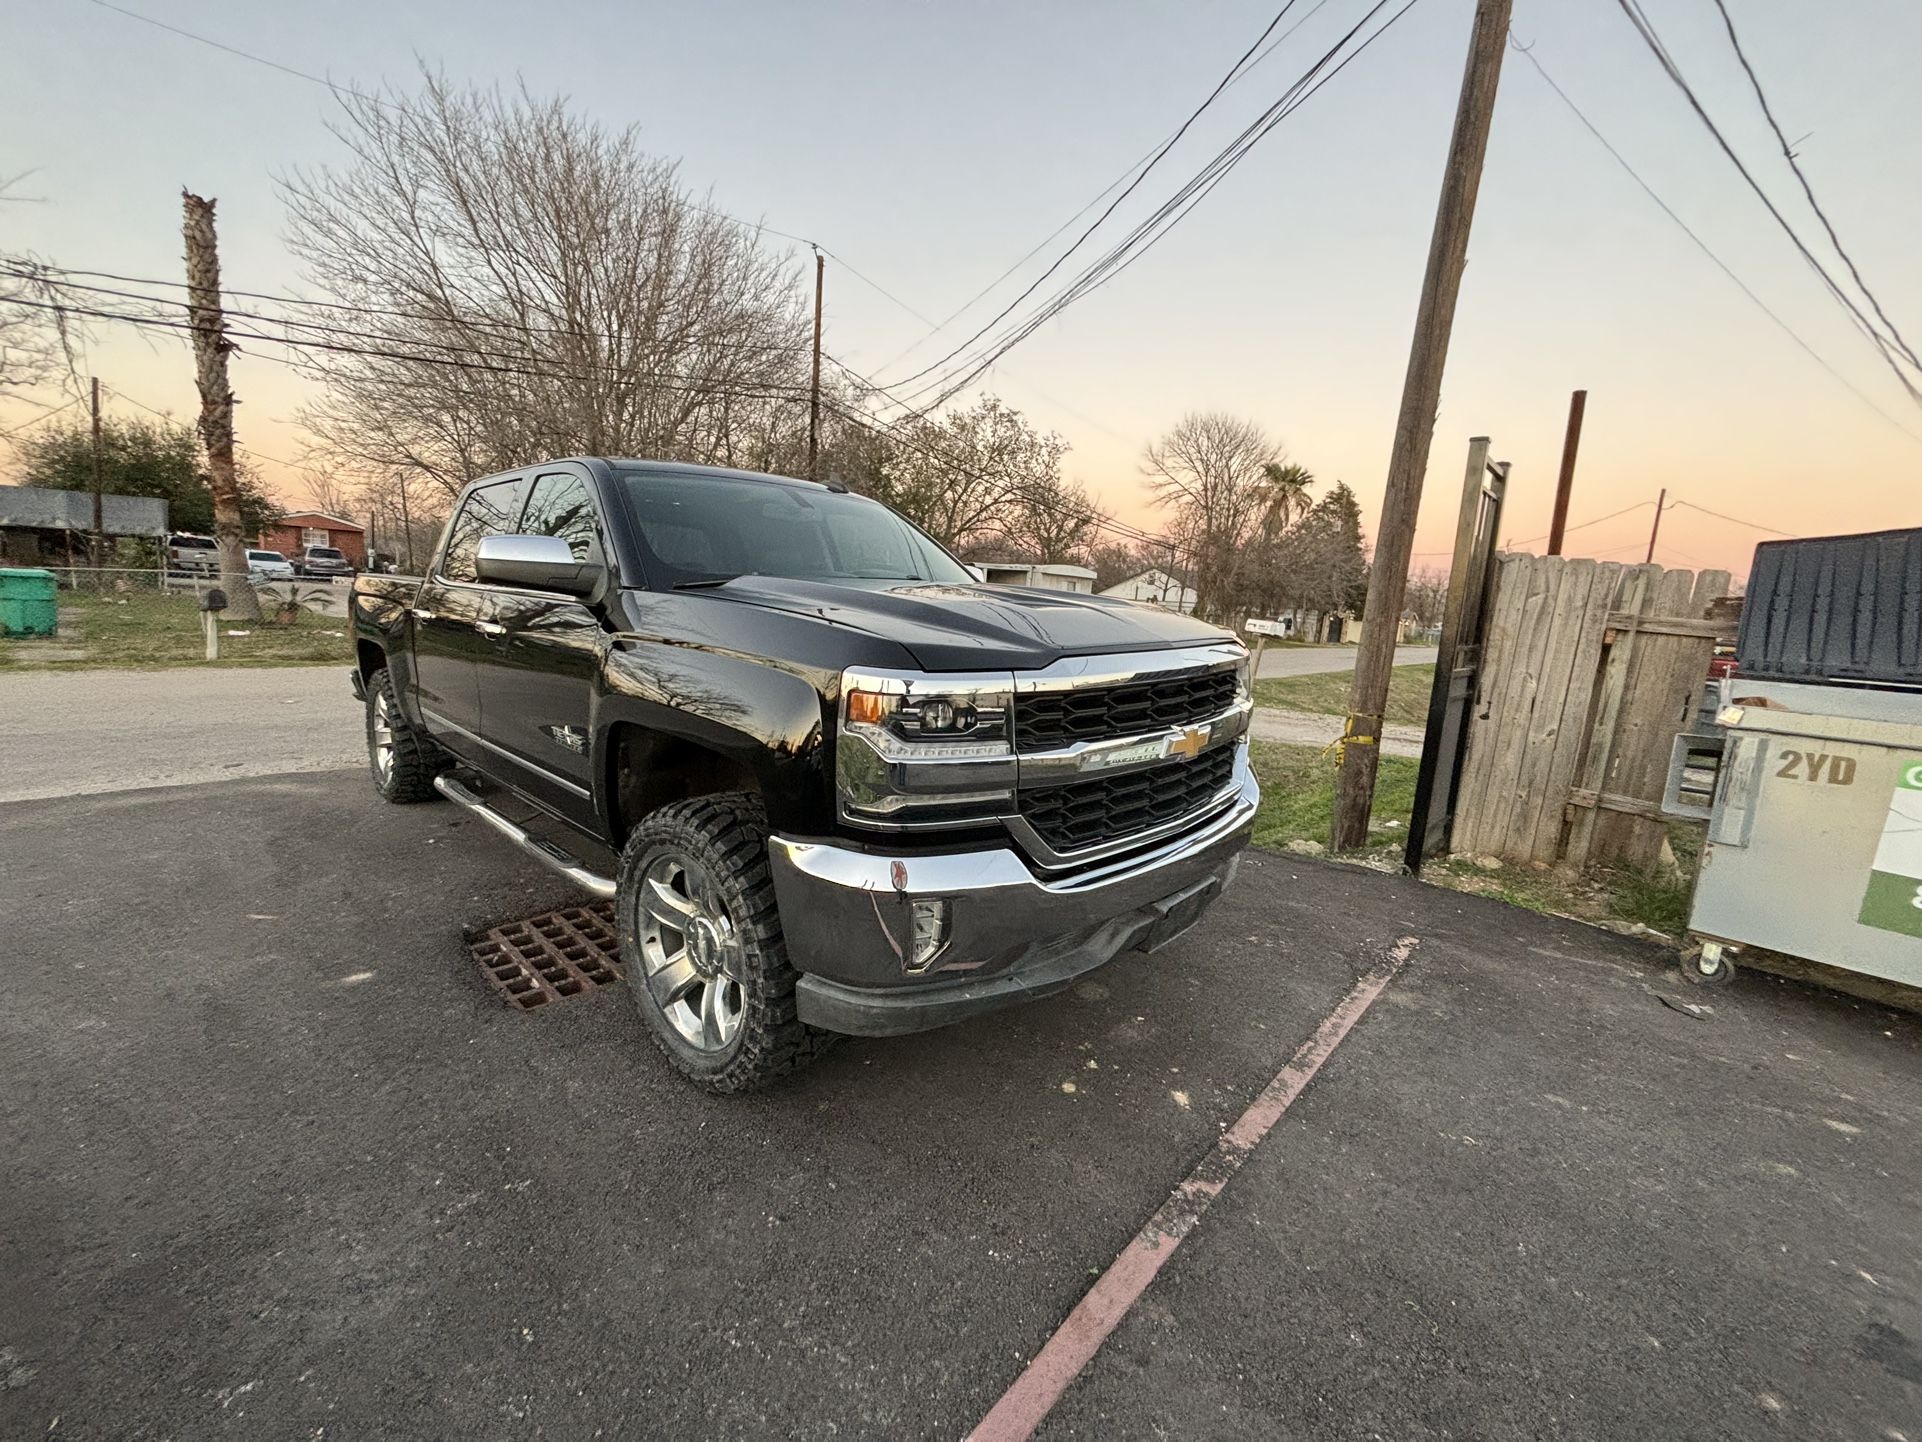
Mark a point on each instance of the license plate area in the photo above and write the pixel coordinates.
(1173, 915)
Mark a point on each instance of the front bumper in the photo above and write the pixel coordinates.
(1011, 934)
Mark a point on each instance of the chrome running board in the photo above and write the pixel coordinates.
(542, 850)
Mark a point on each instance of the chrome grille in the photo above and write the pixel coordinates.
(1049, 720)
(1107, 808)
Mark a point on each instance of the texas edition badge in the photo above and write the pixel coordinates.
(1894, 898)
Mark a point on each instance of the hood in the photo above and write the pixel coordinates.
(978, 627)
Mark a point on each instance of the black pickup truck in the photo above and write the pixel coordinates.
(851, 789)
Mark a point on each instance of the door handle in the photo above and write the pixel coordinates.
(490, 628)
(420, 615)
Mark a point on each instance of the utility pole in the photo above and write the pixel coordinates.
(1655, 530)
(814, 394)
(1565, 482)
(99, 526)
(216, 401)
(1360, 747)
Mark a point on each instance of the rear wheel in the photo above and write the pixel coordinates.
(702, 947)
(1707, 964)
(403, 758)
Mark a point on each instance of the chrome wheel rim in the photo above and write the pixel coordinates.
(691, 953)
(380, 738)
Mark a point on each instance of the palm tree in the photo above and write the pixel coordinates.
(1282, 494)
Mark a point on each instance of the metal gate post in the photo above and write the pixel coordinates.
(1458, 657)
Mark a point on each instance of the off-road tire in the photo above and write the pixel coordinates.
(727, 835)
(415, 760)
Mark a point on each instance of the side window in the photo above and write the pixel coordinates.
(560, 506)
(488, 511)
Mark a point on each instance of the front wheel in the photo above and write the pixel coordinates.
(701, 944)
(1707, 964)
(403, 758)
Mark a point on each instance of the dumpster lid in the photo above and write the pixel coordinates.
(1835, 608)
(39, 573)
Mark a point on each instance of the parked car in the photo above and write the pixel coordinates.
(322, 561)
(191, 555)
(269, 566)
(851, 788)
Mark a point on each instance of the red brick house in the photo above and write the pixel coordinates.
(297, 530)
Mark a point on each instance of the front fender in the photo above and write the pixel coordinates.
(767, 717)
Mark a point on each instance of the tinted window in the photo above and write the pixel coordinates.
(559, 506)
(698, 528)
(325, 553)
(488, 511)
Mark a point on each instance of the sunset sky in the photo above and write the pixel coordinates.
(932, 144)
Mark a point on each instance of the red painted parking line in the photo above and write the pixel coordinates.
(1074, 1344)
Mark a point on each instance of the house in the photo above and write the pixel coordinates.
(1048, 578)
(41, 527)
(297, 530)
(1155, 587)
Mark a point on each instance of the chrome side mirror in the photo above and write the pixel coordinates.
(538, 563)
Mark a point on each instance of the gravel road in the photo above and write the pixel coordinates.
(73, 733)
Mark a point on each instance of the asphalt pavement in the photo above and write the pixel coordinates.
(274, 1162)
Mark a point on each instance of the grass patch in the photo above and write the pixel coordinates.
(1298, 800)
(165, 630)
(1326, 694)
(1298, 794)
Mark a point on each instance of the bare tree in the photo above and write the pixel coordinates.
(540, 286)
(1427, 598)
(1051, 522)
(1211, 473)
(965, 477)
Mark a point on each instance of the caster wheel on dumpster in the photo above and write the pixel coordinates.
(1708, 963)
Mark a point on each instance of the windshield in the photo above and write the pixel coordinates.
(696, 528)
(265, 556)
(323, 553)
(193, 543)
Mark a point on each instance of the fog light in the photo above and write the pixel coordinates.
(930, 933)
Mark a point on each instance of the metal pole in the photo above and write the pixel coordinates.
(99, 526)
(1565, 482)
(1656, 529)
(1360, 748)
(814, 393)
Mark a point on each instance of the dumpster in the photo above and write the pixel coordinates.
(27, 605)
(1814, 844)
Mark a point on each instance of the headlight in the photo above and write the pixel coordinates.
(942, 721)
(1244, 676)
(925, 750)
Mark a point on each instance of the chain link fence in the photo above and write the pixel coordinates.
(324, 596)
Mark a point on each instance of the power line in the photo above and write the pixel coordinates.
(1581, 525)
(1736, 520)
(1146, 170)
(1788, 154)
(441, 318)
(47, 414)
(546, 373)
(605, 367)
(1108, 190)
(1165, 218)
(1527, 52)
(1646, 29)
(242, 54)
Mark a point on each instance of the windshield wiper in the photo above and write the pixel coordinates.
(704, 585)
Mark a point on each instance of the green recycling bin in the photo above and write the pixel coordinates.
(27, 606)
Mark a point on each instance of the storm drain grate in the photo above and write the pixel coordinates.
(552, 957)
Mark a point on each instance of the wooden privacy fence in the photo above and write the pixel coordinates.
(1591, 668)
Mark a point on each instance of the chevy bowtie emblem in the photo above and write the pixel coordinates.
(1189, 743)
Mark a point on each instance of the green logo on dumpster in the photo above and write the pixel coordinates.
(1893, 901)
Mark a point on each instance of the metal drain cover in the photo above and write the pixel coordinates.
(551, 957)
